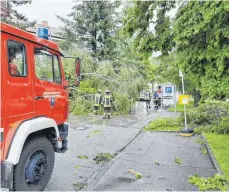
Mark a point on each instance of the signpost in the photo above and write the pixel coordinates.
(183, 99)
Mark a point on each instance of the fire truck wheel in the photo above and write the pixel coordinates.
(35, 166)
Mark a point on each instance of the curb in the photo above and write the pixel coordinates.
(212, 157)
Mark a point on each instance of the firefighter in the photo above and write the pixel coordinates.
(98, 100)
(107, 102)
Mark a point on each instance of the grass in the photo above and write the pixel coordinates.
(164, 124)
(219, 146)
(180, 108)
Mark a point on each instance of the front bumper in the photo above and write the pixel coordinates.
(7, 176)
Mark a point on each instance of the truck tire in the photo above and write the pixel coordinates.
(35, 167)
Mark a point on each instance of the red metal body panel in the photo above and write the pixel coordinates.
(18, 94)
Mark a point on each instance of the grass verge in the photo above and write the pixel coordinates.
(164, 124)
(219, 146)
(180, 108)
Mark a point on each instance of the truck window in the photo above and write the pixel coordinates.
(17, 59)
(47, 66)
(57, 74)
(43, 65)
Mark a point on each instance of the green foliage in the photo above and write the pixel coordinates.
(177, 161)
(157, 163)
(82, 157)
(206, 114)
(15, 18)
(90, 25)
(95, 132)
(135, 173)
(201, 36)
(164, 124)
(81, 106)
(204, 150)
(78, 186)
(136, 23)
(219, 146)
(209, 117)
(103, 158)
(180, 107)
(199, 141)
(204, 184)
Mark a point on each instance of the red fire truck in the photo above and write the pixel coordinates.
(34, 109)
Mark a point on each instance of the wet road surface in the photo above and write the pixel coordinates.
(138, 150)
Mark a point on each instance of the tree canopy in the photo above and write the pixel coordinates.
(15, 18)
(91, 24)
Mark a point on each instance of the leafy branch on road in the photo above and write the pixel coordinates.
(199, 141)
(103, 158)
(157, 163)
(95, 132)
(178, 161)
(82, 157)
(204, 150)
(135, 173)
(215, 182)
(78, 186)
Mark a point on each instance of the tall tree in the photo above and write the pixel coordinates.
(15, 18)
(92, 24)
(148, 23)
(202, 39)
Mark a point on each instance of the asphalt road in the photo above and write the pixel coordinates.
(134, 149)
(92, 135)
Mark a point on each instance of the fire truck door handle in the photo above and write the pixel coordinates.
(39, 97)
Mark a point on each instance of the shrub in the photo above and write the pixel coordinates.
(206, 114)
(81, 106)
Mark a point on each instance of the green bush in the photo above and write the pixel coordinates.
(81, 106)
(122, 103)
(209, 117)
(206, 114)
(223, 127)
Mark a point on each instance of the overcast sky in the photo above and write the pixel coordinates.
(46, 10)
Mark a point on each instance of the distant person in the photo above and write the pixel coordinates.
(107, 102)
(98, 101)
(148, 100)
(157, 97)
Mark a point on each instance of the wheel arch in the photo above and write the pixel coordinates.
(33, 127)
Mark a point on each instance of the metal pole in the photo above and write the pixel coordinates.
(185, 117)
(175, 98)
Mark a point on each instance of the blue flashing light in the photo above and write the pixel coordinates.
(43, 33)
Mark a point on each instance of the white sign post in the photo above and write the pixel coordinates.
(184, 101)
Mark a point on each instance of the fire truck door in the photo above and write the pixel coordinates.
(50, 95)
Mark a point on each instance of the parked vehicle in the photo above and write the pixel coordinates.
(34, 109)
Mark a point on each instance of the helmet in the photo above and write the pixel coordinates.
(99, 91)
(107, 91)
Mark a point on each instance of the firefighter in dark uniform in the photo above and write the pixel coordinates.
(107, 103)
(98, 101)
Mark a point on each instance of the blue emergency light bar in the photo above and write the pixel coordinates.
(43, 32)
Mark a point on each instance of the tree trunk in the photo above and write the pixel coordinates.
(197, 97)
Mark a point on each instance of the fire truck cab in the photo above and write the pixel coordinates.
(34, 109)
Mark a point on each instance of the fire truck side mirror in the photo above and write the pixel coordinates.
(77, 71)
